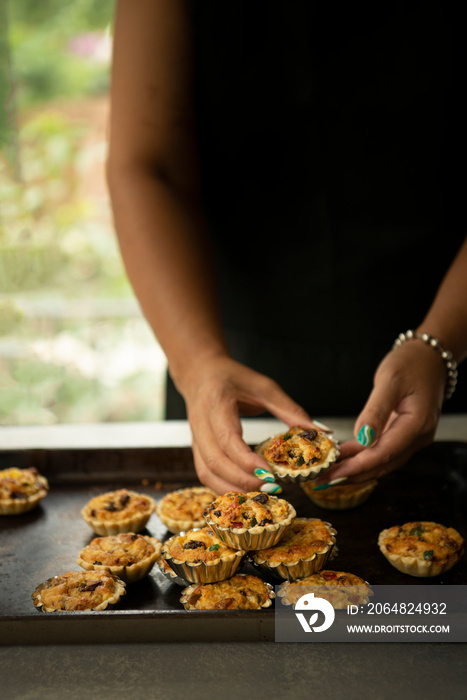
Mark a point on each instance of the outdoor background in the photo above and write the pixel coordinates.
(73, 344)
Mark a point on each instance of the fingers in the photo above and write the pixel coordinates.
(276, 401)
(404, 436)
(373, 420)
(223, 460)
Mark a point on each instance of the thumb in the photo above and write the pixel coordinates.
(372, 421)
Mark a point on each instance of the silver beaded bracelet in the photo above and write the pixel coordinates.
(446, 355)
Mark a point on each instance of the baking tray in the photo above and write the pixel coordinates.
(46, 541)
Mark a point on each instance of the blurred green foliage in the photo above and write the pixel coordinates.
(56, 237)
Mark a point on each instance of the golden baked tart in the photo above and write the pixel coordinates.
(183, 509)
(128, 555)
(21, 490)
(299, 454)
(249, 520)
(338, 587)
(241, 592)
(118, 511)
(421, 548)
(304, 549)
(340, 496)
(79, 590)
(198, 556)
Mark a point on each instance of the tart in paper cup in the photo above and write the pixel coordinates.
(240, 592)
(21, 490)
(421, 548)
(249, 520)
(304, 550)
(299, 454)
(118, 511)
(79, 591)
(182, 510)
(340, 496)
(198, 556)
(338, 587)
(128, 555)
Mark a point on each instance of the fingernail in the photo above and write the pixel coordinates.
(366, 435)
(322, 426)
(270, 488)
(329, 485)
(264, 475)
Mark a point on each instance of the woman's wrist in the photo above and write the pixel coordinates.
(445, 355)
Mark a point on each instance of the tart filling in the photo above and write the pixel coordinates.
(338, 587)
(199, 556)
(128, 555)
(304, 549)
(241, 592)
(79, 590)
(21, 490)
(249, 520)
(183, 509)
(118, 511)
(340, 496)
(421, 548)
(299, 454)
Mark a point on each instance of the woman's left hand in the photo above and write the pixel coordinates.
(400, 416)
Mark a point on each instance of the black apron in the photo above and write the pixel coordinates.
(330, 150)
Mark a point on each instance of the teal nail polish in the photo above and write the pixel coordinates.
(329, 485)
(264, 475)
(268, 487)
(366, 435)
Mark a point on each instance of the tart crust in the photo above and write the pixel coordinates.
(341, 496)
(127, 555)
(198, 556)
(21, 490)
(119, 511)
(338, 587)
(241, 592)
(169, 573)
(305, 549)
(299, 454)
(421, 548)
(249, 520)
(79, 591)
(183, 509)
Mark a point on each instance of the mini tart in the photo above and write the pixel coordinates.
(128, 555)
(339, 588)
(118, 511)
(198, 556)
(421, 548)
(304, 549)
(21, 490)
(79, 590)
(241, 592)
(340, 496)
(249, 520)
(299, 454)
(182, 510)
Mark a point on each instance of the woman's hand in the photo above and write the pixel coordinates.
(400, 416)
(215, 397)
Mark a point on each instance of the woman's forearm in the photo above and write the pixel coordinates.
(167, 258)
(447, 316)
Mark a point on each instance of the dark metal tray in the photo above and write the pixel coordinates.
(46, 541)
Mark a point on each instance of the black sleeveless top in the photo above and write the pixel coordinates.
(330, 146)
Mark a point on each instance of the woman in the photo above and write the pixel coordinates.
(285, 193)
